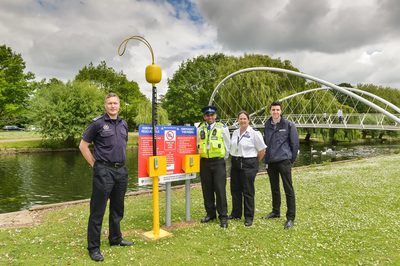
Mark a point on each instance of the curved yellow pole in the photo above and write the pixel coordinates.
(139, 38)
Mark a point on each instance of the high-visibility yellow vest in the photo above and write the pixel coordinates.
(212, 139)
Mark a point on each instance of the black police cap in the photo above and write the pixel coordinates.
(209, 109)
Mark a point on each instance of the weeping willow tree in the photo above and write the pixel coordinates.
(145, 114)
(253, 91)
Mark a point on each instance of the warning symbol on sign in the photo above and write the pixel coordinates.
(170, 135)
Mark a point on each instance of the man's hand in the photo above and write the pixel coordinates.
(84, 147)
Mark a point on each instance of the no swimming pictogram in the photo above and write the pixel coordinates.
(170, 135)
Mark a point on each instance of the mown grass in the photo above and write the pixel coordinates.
(25, 144)
(133, 140)
(347, 214)
(18, 135)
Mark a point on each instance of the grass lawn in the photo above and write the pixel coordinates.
(18, 135)
(25, 144)
(347, 214)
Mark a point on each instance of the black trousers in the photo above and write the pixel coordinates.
(213, 184)
(109, 182)
(284, 168)
(243, 175)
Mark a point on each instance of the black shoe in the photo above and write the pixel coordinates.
(248, 222)
(288, 224)
(224, 223)
(96, 256)
(271, 216)
(123, 243)
(230, 217)
(207, 219)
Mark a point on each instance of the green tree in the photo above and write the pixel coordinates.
(190, 89)
(65, 110)
(15, 86)
(109, 80)
(145, 114)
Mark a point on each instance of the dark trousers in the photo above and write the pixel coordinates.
(243, 175)
(213, 184)
(284, 168)
(109, 182)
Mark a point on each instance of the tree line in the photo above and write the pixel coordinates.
(64, 109)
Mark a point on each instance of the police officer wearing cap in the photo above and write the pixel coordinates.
(109, 134)
(213, 145)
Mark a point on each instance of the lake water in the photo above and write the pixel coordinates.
(27, 180)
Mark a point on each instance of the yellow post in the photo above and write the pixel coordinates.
(156, 166)
(156, 210)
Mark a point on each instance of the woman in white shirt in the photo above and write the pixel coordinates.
(247, 150)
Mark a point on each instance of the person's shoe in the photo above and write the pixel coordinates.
(96, 256)
(288, 224)
(224, 223)
(207, 219)
(230, 217)
(271, 216)
(248, 222)
(123, 243)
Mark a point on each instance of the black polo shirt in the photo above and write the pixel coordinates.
(109, 138)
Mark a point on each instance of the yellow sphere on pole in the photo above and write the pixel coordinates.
(153, 73)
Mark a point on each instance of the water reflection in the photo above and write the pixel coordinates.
(28, 180)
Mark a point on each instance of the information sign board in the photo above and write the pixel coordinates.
(173, 142)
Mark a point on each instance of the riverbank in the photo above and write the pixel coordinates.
(347, 214)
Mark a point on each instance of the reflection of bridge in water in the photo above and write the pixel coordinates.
(304, 100)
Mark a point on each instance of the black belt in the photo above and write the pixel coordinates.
(212, 159)
(241, 158)
(111, 164)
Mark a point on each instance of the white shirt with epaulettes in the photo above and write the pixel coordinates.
(248, 144)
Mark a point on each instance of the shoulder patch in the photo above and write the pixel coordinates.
(97, 118)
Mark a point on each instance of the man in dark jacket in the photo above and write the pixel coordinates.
(282, 142)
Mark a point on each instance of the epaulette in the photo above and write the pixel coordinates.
(97, 118)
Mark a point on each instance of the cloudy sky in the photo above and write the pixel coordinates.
(355, 41)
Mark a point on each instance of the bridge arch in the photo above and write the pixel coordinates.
(230, 119)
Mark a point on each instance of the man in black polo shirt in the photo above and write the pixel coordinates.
(109, 134)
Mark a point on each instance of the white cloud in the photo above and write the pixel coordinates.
(335, 40)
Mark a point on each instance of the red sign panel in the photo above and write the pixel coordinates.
(173, 142)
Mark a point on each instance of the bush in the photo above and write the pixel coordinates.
(327, 162)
